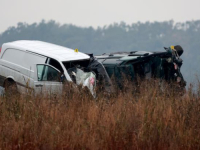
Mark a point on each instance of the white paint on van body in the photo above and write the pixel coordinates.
(18, 61)
(47, 49)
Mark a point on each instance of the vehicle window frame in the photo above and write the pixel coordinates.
(43, 71)
(49, 60)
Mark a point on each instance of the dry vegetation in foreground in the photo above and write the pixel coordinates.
(149, 119)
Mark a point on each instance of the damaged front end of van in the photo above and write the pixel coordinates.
(89, 73)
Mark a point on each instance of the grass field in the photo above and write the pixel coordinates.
(146, 119)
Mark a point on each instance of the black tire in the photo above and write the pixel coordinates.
(10, 88)
(179, 49)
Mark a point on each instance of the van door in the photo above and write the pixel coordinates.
(47, 79)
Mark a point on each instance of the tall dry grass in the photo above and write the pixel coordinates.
(146, 119)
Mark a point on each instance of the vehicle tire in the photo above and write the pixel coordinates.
(10, 88)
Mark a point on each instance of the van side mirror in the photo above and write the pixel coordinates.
(62, 78)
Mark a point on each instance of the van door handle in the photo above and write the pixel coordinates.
(39, 85)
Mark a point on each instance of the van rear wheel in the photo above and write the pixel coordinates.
(10, 88)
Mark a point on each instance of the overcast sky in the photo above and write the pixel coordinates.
(96, 12)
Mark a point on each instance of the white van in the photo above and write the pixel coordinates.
(39, 66)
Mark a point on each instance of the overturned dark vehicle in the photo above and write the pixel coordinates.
(164, 65)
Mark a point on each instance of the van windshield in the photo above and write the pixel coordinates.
(71, 67)
(78, 63)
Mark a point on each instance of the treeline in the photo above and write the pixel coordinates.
(117, 37)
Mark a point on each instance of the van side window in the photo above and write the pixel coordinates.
(47, 73)
(55, 64)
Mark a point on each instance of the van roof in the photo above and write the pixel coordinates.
(47, 49)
